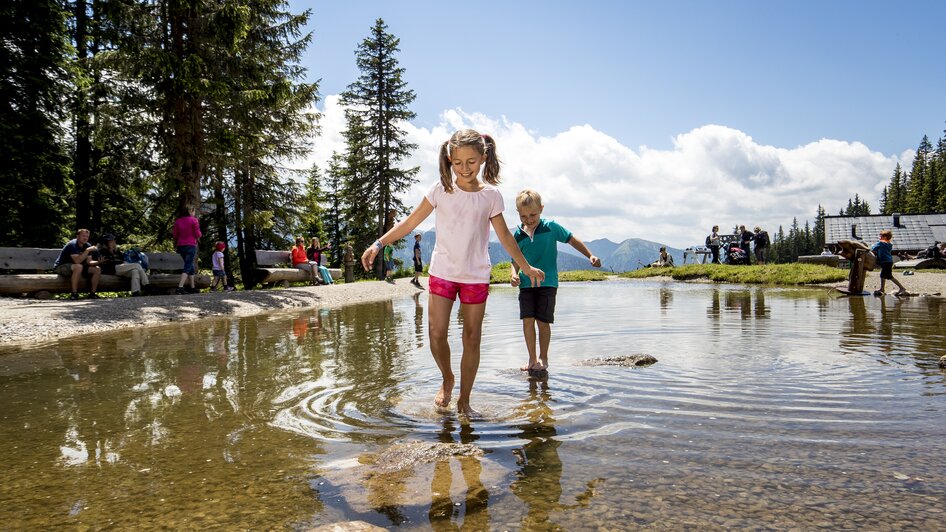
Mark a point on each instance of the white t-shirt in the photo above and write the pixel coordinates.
(461, 253)
(217, 261)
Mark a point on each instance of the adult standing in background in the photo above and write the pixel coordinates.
(186, 236)
(761, 239)
(745, 242)
(712, 242)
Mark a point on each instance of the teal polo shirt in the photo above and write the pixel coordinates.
(541, 251)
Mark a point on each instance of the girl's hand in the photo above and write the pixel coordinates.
(535, 275)
(514, 279)
(367, 258)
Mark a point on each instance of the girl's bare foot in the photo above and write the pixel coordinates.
(442, 398)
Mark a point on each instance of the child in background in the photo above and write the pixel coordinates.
(538, 239)
(884, 251)
(218, 269)
(466, 208)
(389, 263)
(418, 262)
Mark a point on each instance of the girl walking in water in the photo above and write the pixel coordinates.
(466, 208)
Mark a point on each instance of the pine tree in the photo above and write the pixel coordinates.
(940, 174)
(376, 109)
(819, 230)
(34, 167)
(918, 188)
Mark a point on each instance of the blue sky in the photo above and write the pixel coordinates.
(794, 80)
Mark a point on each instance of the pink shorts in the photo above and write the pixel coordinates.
(470, 293)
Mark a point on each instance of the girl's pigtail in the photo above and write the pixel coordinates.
(491, 170)
(446, 177)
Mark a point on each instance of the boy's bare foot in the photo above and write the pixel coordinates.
(467, 411)
(442, 399)
(533, 366)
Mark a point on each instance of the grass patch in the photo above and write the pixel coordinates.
(500, 275)
(775, 274)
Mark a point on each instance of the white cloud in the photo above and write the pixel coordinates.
(598, 188)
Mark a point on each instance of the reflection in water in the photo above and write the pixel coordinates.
(768, 408)
(444, 514)
(538, 480)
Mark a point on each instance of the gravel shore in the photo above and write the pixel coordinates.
(30, 321)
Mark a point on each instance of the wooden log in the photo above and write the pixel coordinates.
(35, 259)
(42, 259)
(922, 264)
(275, 275)
(32, 283)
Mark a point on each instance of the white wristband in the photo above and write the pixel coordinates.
(378, 244)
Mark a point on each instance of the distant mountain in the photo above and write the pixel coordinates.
(630, 254)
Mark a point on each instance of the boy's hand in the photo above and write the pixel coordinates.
(595, 261)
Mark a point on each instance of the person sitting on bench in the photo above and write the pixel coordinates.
(75, 261)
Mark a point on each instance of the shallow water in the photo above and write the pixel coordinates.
(772, 408)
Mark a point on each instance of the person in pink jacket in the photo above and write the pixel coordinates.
(186, 236)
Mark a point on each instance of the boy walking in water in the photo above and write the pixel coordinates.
(884, 251)
(538, 239)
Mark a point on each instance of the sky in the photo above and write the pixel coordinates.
(656, 120)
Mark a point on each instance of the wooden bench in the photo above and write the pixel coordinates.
(41, 284)
(275, 268)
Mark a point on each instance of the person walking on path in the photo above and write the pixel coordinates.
(459, 266)
(538, 239)
(186, 237)
(884, 251)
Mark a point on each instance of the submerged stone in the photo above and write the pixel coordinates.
(942, 361)
(627, 361)
(347, 526)
(405, 455)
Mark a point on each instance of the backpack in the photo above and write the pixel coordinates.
(135, 256)
(708, 240)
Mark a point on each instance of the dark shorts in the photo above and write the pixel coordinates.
(219, 273)
(188, 253)
(538, 303)
(389, 265)
(886, 270)
(419, 267)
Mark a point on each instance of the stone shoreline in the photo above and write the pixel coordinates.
(26, 322)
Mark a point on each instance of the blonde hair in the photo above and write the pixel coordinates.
(484, 144)
(886, 234)
(528, 198)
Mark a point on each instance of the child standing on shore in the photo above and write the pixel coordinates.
(884, 251)
(538, 239)
(466, 208)
(418, 262)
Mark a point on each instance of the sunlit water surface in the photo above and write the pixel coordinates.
(772, 408)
